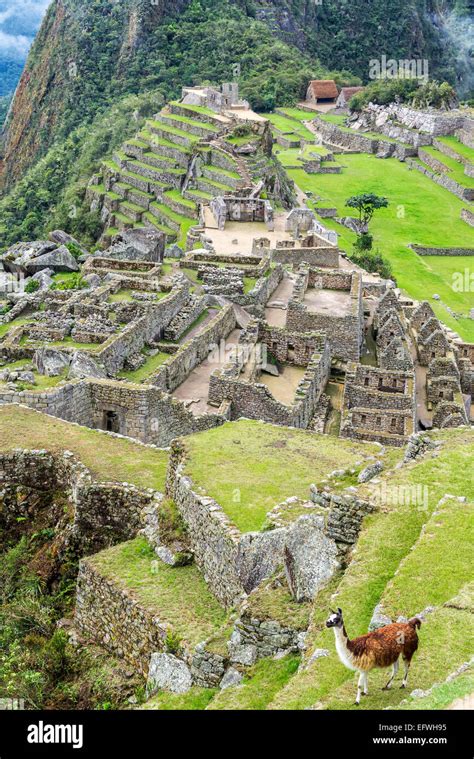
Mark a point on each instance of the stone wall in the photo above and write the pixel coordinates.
(344, 333)
(137, 334)
(103, 513)
(320, 256)
(464, 193)
(422, 250)
(107, 614)
(254, 400)
(176, 369)
(141, 411)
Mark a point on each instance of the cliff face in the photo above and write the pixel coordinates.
(90, 52)
(81, 53)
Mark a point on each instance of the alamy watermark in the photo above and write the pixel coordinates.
(390, 68)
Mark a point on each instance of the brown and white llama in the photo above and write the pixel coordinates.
(378, 649)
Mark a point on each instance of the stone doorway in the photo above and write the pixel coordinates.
(111, 421)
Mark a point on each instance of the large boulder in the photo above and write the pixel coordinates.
(167, 672)
(142, 244)
(63, 238)
(83, 365)
(51, 362)
(259, 556)
(20, 254)
(310, 558)
(59, 259)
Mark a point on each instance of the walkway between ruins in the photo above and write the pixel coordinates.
(195, 388)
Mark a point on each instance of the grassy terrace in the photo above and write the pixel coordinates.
(289, 126)
(253, 466)
(42, 382)
(464, 150)
(456, 169)
(386, 540)
(150, 366)
(420, 211)
(120, 460)
(178, 596)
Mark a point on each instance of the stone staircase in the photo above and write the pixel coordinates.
(159, 178)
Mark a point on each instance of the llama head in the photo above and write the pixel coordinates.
(335, 619)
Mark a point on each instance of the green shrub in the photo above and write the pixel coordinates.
(32, 286)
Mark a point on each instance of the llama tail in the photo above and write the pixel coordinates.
(414, 622)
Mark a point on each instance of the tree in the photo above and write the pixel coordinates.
(366, 204)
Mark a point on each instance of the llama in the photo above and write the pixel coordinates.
(380, 648)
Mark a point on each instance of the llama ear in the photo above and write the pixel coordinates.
(339, 610)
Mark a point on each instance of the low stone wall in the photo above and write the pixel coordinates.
(464, 193)
(141, 411)
(323, 256)
(263, 289)
(422, 250)
(136, 335)
(467, 216)
(176, 369)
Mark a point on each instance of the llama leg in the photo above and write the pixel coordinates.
(366, 683)
(405, 675)
(359, 685)
(392, 676)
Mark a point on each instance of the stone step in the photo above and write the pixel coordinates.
(221, 176)
(199, 129)
(177, 203)
(131, 210)
(200, 113)
(165, 215)
(213, 187)
(172, 134)
(168, 176)
(152, 221)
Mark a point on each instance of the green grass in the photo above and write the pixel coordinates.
(178, 118)
(147, 370)
(298, 114)
(195, 699)
(432, 572)
(464, 150)
(289, 126)
(456, 169)
(420, 212)
(249, 466)
(122, 296)
(178, 198)
(178, 596)
(442, 695)
(259, 686)
(18, 322)
(386, 539)
(120, 460)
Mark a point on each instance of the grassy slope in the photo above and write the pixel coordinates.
(387, 538)
(420, 211)
(179, 596)
(263, 681)
(249, 467)
(121, 460)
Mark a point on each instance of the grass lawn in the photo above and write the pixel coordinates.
(420, 211)
(259, 686)
(442, 695)
(426, 577)
(385, 541)
(456, 169)
(289, 126)
(178, 596)
(464, 150)
(144, 372)
(250, 466)
(5, 328)
(120, 460)
(195, 699)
